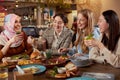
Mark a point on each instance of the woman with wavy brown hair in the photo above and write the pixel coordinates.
(85, 27)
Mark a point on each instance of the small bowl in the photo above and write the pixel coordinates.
(61, 70)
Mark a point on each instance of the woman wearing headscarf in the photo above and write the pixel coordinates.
(12, 40)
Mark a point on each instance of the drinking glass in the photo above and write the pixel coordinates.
(18, 31)
(4, 73)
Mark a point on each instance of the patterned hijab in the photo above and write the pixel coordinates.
(9, 32)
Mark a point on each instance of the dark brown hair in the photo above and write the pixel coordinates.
(63, 17)
(114, 29)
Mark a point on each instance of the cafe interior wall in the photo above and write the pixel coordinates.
(111, 4)
(97, 6)
(94, 5)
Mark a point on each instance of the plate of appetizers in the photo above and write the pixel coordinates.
(69, 70)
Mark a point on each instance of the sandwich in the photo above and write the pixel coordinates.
(34, 55)
(69, 70)
(71, 67)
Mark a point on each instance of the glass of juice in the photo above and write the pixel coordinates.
(90, 36)
(4, 73)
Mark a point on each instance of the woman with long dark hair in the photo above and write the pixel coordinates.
(107, 50)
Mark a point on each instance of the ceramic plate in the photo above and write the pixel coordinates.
(41, 68)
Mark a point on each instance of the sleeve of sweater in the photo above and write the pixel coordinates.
(104, 54)
(28, 46)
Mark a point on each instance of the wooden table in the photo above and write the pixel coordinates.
(100, 68)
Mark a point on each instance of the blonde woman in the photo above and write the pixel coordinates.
(85, 27)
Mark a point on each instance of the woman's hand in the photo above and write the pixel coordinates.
(93, 43)
(16, 38)
(61, 50)
(30, 40)
(77, 54)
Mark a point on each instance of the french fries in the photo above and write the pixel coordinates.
(23, 62)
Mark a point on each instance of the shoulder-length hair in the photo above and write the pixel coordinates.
(88, 14)
(114, 29)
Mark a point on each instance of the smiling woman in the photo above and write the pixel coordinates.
(107, 49)
(85, 27)
(10, 43)
(58, 35)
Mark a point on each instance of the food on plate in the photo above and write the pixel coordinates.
(61, 70)
(61, 58)
(9, 61)
(20, 56)
(23, 62)
(36, 55)
(14, 59)
(71, 67)
(51, 73)
(60, 76)
(31, 69)
(54, 60)
(51, 61)
(70, 73)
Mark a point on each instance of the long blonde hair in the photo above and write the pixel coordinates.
(88, 14)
